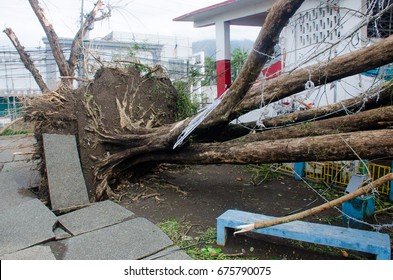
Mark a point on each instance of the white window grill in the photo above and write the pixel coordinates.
(318, 25)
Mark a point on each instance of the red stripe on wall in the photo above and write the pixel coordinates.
(223, 71)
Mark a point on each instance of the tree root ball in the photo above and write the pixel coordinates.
(116, 102)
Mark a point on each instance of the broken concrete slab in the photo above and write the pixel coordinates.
(9, 145)
(25, 225)
(61, 234)
(17, 140)
(11, 192)
(25, 174)
(67, 187)
(95, 216)
(128, 240)
(33, 253)
(172, 253)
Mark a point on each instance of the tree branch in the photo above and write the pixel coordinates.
(76, 43)
(368, 120)
(263, 48)
(376, 55)
(53, 40)
(377, 97)
(27, 61)
(336, 202)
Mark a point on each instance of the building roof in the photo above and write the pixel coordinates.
(237, 12)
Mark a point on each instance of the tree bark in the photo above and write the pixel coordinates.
(53, 40)
(334, 203)
(380, 97)
(27, 61)
(368, 120)
(367, 144)
(376, 55)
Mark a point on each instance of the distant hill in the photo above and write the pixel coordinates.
(209, 46)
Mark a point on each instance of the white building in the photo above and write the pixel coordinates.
(323, 30)
(319, 31)
(115, 49)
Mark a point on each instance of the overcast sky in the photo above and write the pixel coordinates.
(135, 16)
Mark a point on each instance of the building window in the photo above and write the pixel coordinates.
(383, 26)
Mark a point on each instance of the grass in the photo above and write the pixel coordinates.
(9, 132)
(201, 247)
(329, 192)
(262, 173)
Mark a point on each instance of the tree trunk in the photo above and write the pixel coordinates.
(368, 120)
(53, 40)
(262, 50)
(380, 97)
(376, 55)
(367, 144)
(27, 61)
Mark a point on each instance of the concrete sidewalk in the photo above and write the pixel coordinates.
(29, 230)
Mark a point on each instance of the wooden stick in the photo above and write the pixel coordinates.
(281, 220)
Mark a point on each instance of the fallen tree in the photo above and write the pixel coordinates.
(315, 148)
(119, 138)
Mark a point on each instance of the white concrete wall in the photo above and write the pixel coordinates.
(183, 49)
(313, 29)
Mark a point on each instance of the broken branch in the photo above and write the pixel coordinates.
(336, 202)
(322, 73)
(76, 43)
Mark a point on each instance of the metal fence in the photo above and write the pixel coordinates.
(340, 172)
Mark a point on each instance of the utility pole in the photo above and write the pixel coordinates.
(81, 73)
(6, 84)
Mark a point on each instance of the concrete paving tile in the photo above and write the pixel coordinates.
(128, 240)
(14, 144)
(172, 253)
(33, 253)
(11, 191)
(25, 225)
(23, 173)
(61, 234)
(67, 187)
(95, 216)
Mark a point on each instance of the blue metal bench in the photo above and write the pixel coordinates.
(348, 238)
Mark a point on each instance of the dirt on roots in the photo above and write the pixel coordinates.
(116, 102)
